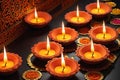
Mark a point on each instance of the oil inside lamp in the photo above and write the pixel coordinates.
(47, 51)
(92, 54)
(77, 18)
(37, 19)
(6, 64)
(104, 35)
(63, 69)
(64, 36)
(98, 10)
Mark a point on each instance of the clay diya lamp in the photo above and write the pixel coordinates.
(32, 75)
(64, 35)
(103, 34)
(92, 53)
(118, 30)
(62, 68)
(115, 12)
(78, 18)
(94, 75)
(47, 50)
(83, 40)
(98, 10)
(38, 19)
(115, 21)
(9, 62)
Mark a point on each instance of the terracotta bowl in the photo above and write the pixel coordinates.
(104, 6)
(85, 15)
(96, 30)
(42, 45)
(52, 64)
(87, 48)
(12, 57)
(41, 14)
(74, 35)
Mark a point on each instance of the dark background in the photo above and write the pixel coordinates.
(23, 44)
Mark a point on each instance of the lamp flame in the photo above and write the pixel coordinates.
(36, 15)
(92, 46)
(77, 11)
(63, 28)
(62, 60)
(48, 43)
(104, 29)
(5, 55)
(98, 4)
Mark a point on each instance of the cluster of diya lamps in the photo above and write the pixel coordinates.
(9, 62)
(89, 53)
(39, 19)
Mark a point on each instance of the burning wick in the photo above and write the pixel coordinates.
(5, 64)
(92, 54)
(48, 52)
(63, 30)
(92, 48)
(104, 35)
(98, 10)
(63, 36)
(48, 46)
(63, 69)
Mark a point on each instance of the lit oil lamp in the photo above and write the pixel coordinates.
(78, 18)
(103, 34)
(62, 67)
(63, 35)
(38, 19)
(83, 41)
(9, 62)
(92, 53)
(98, 10)
(47, 50)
